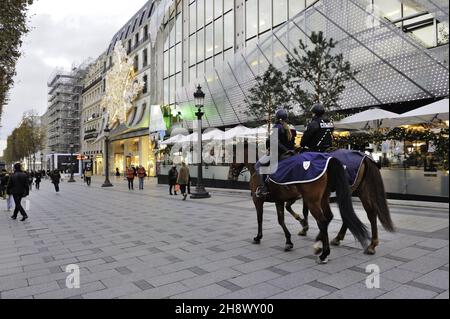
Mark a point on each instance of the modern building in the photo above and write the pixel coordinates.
(91, 113)
(400, 48)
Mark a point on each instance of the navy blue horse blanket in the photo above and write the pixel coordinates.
(310, 166)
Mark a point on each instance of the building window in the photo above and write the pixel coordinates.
(200, 13)
(209, 40)
(280, 11)
(179, 58)
(145, 88)
(192, 18)
(218, 8)
(265, 15)
(251, 18)
(192, 50)
(129, 47)
(228, 5)
(144, 58)
(228, 30)
(209, 11)
(136, 39)
(146, 33)
(200, 45)
(218, 36)
(136, 63)
(172, 61)
(179, 29)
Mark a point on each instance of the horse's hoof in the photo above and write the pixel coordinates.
(302, 233)
(256, 240)
(335, 242)
(322, 262)
(317, 247)
(288, 247)
(369, 251)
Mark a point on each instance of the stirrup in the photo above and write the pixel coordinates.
(261, 192)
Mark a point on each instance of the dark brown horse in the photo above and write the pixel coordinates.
(368, 187)
(316, 195)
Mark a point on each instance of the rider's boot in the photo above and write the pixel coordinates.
(261, 190)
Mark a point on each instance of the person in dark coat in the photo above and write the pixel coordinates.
(173, 175)
(37, 180)
(318, 136)
(18, 187)
(56, 179)
(3, 183)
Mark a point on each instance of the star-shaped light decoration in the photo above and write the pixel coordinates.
(122, 87)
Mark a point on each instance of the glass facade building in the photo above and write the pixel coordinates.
(400, 48)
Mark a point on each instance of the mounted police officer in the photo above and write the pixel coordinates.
(286, 145)
(318, 136)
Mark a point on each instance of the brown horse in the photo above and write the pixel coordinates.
(316, 195)
(368, 187)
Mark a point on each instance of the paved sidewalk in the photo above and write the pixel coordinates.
(148, 244)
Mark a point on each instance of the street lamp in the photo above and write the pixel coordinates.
(42, 161)
(107, 131)
(199, 99)
(71, 180)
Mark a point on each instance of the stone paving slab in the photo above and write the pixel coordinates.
(149, 244)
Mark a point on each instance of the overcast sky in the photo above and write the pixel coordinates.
(63, 32)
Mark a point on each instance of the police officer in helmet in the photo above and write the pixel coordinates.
(286, 144)
(318, 136)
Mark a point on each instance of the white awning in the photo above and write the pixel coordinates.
(431, 113)
(370, 119)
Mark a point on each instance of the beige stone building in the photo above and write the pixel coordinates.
(91, 113)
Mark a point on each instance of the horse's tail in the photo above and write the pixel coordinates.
(338, 181)
(378, 194)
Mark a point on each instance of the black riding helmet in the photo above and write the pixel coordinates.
(281, 115)
(318, 109)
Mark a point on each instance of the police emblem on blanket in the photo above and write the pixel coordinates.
(301, 168)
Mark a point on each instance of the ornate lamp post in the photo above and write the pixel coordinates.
(199, 192)
(71, 180)
(107, 131)
(42, 161)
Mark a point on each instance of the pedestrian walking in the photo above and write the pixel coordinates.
(141, 175)
(18, 187)
(117, 172)
(3, 183)
(88, 176)
(173, 176)
(37, 180)
(130, 178)
(56, 179)
(7, 195)
(30, 179)
(183, 179)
